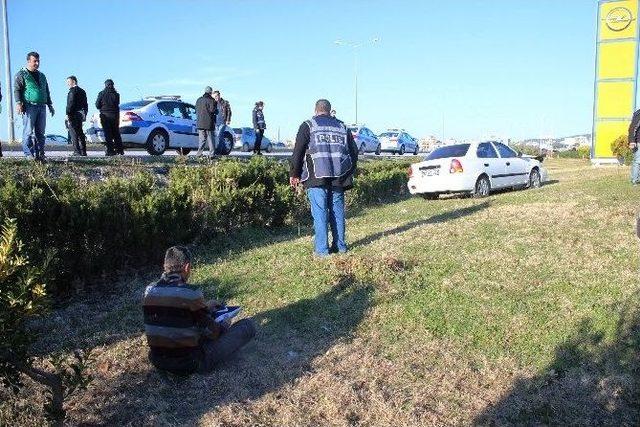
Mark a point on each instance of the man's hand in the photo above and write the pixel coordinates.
(19, 108)
(51, 110)
(294, 182)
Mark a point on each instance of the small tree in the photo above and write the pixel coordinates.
(621, 150)
(23, 296)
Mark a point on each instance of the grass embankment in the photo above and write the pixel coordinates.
(519, 309)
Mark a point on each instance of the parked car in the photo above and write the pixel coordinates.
(474, 168)
(245, 139)
(159, 123)
(366, 140)
(56, 140)
(398, 141)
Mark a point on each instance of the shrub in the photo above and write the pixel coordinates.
(23, 296)
(95, 228)
(620, 149)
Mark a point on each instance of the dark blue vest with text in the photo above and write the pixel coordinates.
(328, 148)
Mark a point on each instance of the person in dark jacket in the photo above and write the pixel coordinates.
(634, 145)
(206, 110)
(182, 335)
(108, 103)
(259, 125)
(224, 109)
(324, 160)
(31, 92)
(77, 108)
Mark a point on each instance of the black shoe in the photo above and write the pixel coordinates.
(110, 153)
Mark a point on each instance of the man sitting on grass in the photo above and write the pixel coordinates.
(182, 334)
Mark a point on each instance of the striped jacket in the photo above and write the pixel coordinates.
(176, 320)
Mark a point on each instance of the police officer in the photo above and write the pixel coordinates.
(259, 125)
(324, 160)
(634, 145)
(77, 108)
(108, 103)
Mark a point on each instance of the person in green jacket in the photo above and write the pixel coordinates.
(32, 99)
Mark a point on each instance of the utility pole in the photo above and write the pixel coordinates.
(7, 62)
(355, 47)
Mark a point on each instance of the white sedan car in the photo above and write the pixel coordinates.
(160, 123)
(475, 168)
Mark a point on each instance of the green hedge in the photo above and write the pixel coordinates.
(92, 228)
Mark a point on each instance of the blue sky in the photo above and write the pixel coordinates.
(512, 68)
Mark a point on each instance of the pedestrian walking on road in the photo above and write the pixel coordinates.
(634, 145)
(206, 110)
(324, 160)
(32, 99)
(108, 103)
(259, 125)
(77, 108)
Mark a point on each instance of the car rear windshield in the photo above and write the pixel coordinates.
(389, 135)
(449, 151)
(135, 104)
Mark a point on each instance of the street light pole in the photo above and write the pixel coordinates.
(7, 61)
(355, 47)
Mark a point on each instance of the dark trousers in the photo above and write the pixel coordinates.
(220, 350)
(76, 135)
(259, 135)
(112, 139)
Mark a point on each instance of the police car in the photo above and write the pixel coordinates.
(160, 123)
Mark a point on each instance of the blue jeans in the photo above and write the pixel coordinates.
(635, 168)
(34, 121)
(327, 207)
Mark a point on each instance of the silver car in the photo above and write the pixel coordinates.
(245, 139)
(366, 140)
(398, 141)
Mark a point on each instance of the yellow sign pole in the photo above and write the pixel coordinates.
(616, 75)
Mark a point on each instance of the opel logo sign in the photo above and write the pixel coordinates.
(619, 19)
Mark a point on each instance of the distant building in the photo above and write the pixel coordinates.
(429, 143)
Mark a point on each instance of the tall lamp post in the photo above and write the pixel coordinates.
(355, 46)
(7, 61)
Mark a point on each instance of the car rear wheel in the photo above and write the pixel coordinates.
(225, 145)
(430, 196)
(534, 179)
(245, 147)
(157, 142)
(483, 187)
(269, 148)
(378, 150)
(415, 152)
(361, 149)
(401, 150)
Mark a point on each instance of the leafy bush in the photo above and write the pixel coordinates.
(94, 228)
(580, 153)
(23, 296)
(620, 149)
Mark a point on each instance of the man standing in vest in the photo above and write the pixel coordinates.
(324, 160)
(32, 99)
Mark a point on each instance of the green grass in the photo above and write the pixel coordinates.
(522, 308)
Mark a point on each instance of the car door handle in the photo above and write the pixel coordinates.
(170, 121)
(486, 165)
(508, 164)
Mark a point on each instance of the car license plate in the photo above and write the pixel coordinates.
(431, 172)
